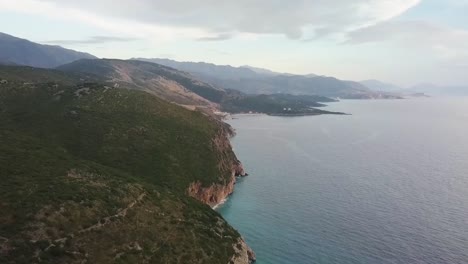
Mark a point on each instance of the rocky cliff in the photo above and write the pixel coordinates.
(228, 164)
(217, 192)
(100, 175)
(244, 254)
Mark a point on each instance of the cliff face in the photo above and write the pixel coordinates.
(214, 194)
(229, 166)
(244, 254)
(101, 176)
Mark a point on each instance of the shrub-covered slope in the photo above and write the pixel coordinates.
(167, 83)
(101, 175)
(184, 89)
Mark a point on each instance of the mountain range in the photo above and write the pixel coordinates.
(427, 89)
(180, 87)
(260, 81)
(186, 90)
(17, 51)
(377, 85)
(247, 79)
(120, 161)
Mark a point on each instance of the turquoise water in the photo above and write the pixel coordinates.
(388, 184)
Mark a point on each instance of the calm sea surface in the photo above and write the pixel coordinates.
(388, 184)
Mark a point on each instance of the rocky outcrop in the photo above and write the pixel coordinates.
(238, 169)
(230, 168)
(217, 192)
(243, 254)
(213, 194)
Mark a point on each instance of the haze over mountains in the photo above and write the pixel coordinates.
(108, 160)
(439, 90)
(17, 51)
(377, 85)
(102, 146)
(423, 88)
(260, 81)
(164, 82)
(247, 79)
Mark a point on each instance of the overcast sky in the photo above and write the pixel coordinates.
(401, 41)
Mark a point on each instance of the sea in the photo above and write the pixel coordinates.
(386, 184)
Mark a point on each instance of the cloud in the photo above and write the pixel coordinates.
(293, 18)
(112, 24)
(444, 41)
(219, 37)
(431, 51)
(91, 40)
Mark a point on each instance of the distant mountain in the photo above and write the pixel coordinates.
(298, 85)
(265, 71)
(7, 62)
(255, 81)
(438, 90)
(17, 51)
(272, 73)
(380, 86)
(165, 82)
(184, 89)
(201, 69)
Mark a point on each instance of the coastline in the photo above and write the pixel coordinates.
(216, 206)
(244, 253)
(218, 193)
(321, 112)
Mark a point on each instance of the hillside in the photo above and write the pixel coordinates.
(377, 85)
(203, 69)
(102, 175)
(167, 83)
(278, 104)
(250, 81)
(184, 89)
(17, 51)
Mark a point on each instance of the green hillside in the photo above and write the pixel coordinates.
(167, 83)
(99, 174)
(182, 88)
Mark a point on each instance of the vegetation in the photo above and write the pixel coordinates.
(146, 76)
(94, 173)
(164, 82)
(277, 104)
(260, 81)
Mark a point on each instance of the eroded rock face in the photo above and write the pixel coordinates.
(231, 168)
(216, 193)
(212, 195)
(244, 254)
(238, 169)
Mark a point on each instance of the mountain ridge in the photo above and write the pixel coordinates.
(377, 85)
(251, 82)
(187, 90)
(164, 82)
(20, 51)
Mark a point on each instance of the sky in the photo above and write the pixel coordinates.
(405, 42)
